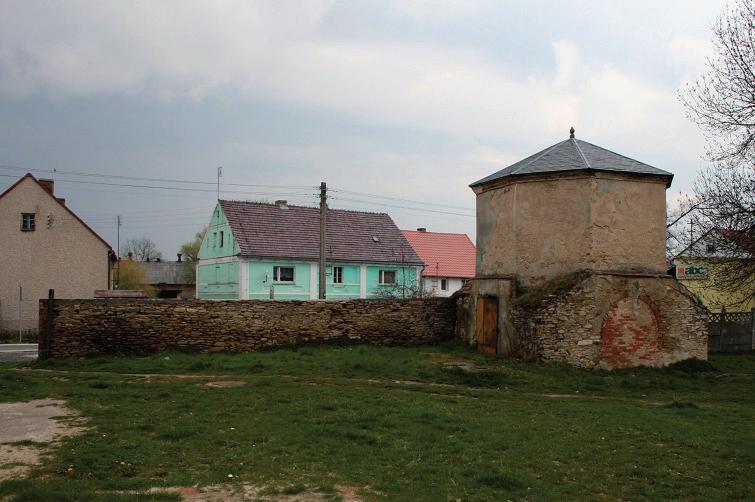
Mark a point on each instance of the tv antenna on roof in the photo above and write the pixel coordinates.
(220, 175)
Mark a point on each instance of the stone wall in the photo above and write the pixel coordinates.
(613, 321)
(145, 326)
(593, 320)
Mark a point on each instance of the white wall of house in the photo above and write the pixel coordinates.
(434, 285)
(60, 254)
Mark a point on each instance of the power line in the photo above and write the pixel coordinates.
(404, 207)
(399, 199)
(179, 189)
(140, 178)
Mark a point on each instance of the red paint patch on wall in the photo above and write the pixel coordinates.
(630, 335)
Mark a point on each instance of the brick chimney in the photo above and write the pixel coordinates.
(48, 185)
(422, 229)
(282, 204)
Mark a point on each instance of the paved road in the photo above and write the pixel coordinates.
(17, 351)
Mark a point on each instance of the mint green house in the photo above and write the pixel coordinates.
(261, 251)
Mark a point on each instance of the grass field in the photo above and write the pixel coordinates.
(399, 424)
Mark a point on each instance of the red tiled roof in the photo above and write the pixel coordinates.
(266, 230)
(445, 255)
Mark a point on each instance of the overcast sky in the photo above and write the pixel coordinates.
(407, 100)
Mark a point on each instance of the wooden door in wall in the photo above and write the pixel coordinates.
(486, 324)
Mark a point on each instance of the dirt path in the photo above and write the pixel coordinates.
(27, 430)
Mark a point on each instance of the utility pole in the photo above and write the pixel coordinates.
(118, 251)
(323, 227)
(20, 305)
(220, 175)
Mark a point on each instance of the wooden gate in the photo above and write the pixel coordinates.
(486, 324)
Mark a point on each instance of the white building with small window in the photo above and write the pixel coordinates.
(449, 260)
(43, 246)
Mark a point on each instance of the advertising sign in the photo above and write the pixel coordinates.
(691, 272)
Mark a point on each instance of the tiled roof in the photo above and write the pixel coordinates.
(575, 155)
(267, 230)
(445, 255)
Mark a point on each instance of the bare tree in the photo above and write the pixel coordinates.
(722, 101)
(725, 212)
(190, 253)
(143, 249)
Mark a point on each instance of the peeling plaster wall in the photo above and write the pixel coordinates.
(543, 227)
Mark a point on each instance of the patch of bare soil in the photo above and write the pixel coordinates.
(224, 384)
(256, 493)
(28, 430)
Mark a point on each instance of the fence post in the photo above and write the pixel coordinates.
(48, 325)
(752, 327)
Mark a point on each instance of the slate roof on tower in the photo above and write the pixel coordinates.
(575, 155)
(285, 231)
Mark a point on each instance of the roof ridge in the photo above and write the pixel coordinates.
(302, 207)
(581, 153)
(625, 157)
(538, 155)
(428, 232)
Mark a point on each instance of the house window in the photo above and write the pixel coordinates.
(27, 222)
(444, 284)
(221, 238)
(214, 239)
(337, 275)
(387, 277)
(283, 274)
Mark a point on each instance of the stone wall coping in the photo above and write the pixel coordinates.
(110, 301)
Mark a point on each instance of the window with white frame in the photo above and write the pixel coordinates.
(27, 222)
(283, 274)
(444, 284)
(387, 277)
(337, 275)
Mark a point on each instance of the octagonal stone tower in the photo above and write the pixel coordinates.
(571, 264)
(573, 206)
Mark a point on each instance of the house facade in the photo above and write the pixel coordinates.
(44, 246)
(701, 265)
(449, 260)
(262, 251)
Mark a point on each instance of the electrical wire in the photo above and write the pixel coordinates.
(399, 199)
(139, 178)
(403, 207)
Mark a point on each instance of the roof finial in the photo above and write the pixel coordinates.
(571, 133)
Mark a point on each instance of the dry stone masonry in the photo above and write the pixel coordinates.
(612, 321)
(146, 326)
